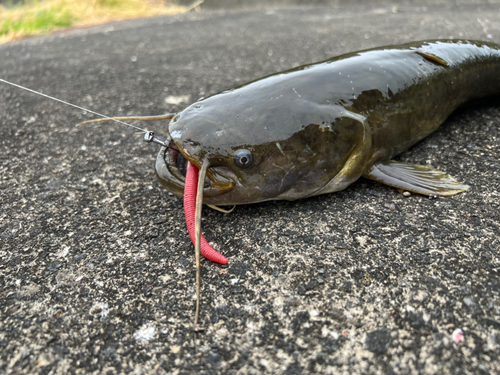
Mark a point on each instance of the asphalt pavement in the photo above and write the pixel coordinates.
(96, 266)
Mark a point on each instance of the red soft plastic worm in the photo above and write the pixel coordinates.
(190, 187)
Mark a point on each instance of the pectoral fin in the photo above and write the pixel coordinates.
(415, 178)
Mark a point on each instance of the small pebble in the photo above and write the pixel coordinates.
(458, 335)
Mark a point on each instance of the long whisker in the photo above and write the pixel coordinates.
(166, 116)
(216, 208)
(197, 246)
(73, 105)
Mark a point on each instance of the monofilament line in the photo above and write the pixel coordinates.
(72, 105)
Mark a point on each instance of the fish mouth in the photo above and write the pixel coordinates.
(171, 167)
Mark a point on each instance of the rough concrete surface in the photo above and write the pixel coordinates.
(96, 267)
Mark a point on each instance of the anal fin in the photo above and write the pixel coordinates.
(415, 178)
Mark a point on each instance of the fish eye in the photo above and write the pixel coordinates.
(243, 158)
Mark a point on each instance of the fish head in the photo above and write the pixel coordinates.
(257, 150)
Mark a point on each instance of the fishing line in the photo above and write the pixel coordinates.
(73, 105)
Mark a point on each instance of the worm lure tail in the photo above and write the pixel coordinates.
(190, 190)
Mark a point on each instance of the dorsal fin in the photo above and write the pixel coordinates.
(433, 58)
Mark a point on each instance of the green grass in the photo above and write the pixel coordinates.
(36, 17)
(42, 21)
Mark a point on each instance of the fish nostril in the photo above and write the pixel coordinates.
(190, 147)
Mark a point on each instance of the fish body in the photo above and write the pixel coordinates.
(317, 128)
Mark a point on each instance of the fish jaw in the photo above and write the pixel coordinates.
(170, 168)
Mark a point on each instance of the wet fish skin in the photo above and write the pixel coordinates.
(318, 128)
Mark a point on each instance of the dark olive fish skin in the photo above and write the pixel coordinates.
(318, 128)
